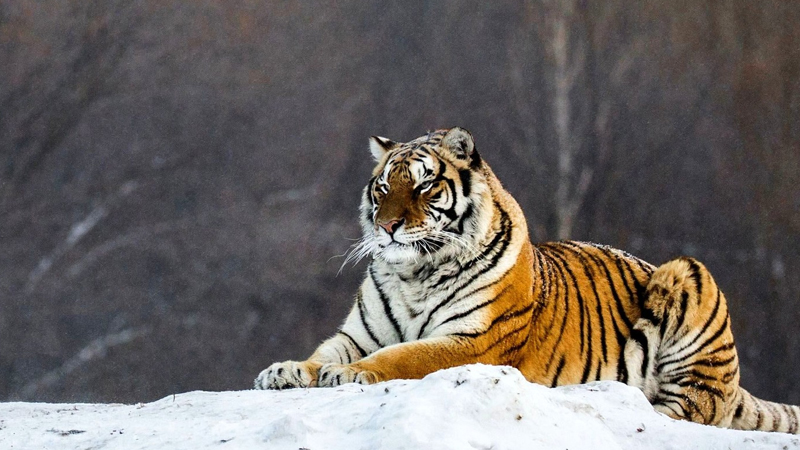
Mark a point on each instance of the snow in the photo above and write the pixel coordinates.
(469, 407)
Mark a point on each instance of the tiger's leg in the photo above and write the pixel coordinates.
(412, 360)
(681, 351)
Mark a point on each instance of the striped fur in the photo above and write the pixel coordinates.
(454, 279)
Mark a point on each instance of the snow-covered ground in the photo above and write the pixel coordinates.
(470, 407)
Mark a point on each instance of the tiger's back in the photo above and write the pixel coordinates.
(454, 279)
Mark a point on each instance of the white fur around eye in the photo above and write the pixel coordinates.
(425, 186)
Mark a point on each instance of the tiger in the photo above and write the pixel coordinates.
(454, 279)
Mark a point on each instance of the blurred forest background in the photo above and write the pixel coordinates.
(175, 177)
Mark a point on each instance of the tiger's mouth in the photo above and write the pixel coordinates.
(420, 246)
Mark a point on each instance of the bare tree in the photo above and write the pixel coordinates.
(568, 54)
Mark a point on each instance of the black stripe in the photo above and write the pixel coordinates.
(514, 349)
(468, 213)
(666, 358)
(688, 372)
(714, 363)
(688, 401)
(601, 262)
(543, 281)
(501, 317)
(510, 314)
(728, 376)
(644, 266)
(466, 181)
(702, 331)
(578, 296)
(667, 404)
(581, 254)
(774, 416)
(341, 358)
(546, 283)
(739, 409)
(565, 302)
(412, 313)
(370, 189)
(638, 336)
(585, 325)
(632, 293)
(421, 273)
(479, 305)
(682, 311)
(638, 291)
(506, 336)
(559, 368)
(450, 213)
(622, 369)
(665, 394)
(696, 276)
(694, 384)
(362, 353)
(759, 415)
(722, 348)
(369, 194)
(387, 308)
(503, 238)
(475, 162)
(777, 417)
(603, 343)
(362, 314)
(789, 412)
(650, 316)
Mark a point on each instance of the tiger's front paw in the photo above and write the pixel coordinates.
(288, 374)
(331, 375)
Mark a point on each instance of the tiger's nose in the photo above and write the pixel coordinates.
(391, 225)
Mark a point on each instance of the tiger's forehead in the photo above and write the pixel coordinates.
(428, 141)
(414, 160)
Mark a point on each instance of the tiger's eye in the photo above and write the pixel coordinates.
(425, 186)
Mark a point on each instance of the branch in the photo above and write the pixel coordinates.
(94, 350)
(77, 232)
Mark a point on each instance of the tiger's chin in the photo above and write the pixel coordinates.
(417, 253)
(398, 253)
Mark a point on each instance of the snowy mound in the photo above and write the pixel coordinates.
(470, 407)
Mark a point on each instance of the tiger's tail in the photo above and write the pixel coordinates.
(753, 413)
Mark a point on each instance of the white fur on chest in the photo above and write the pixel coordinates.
(422, 302)
(412, 299)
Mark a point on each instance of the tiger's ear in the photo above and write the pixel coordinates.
(379, 146)
(460, 143)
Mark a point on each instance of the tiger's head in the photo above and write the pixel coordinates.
(426, 199)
